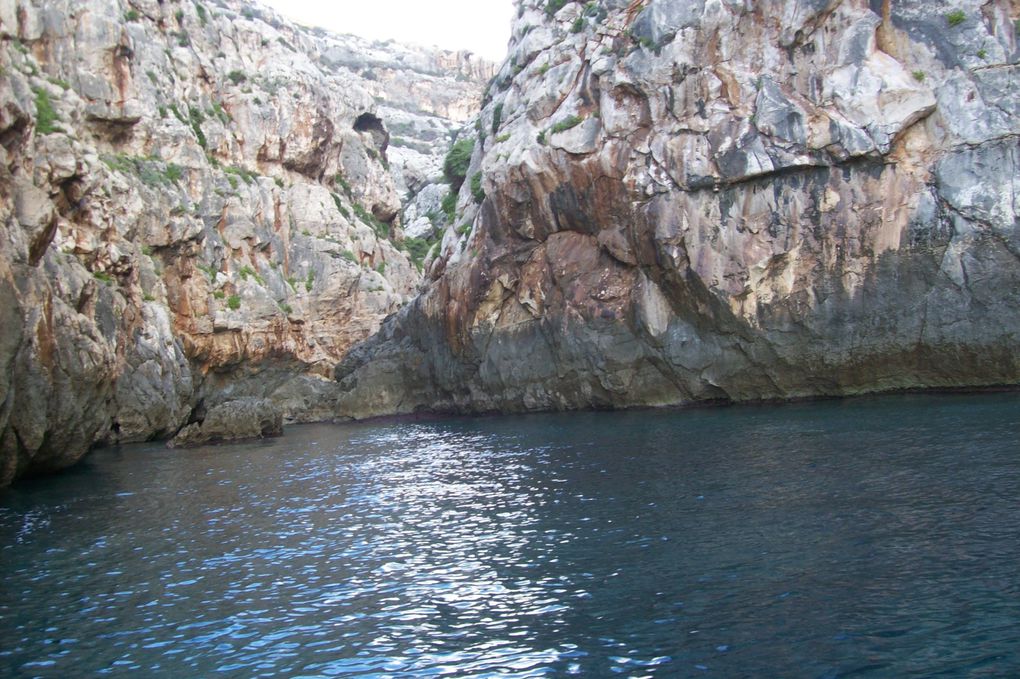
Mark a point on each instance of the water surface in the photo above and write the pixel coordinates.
(876, 537)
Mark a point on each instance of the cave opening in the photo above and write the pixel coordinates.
(373, 124)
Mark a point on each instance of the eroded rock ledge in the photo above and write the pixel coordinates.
(237, 420)
(690, 201)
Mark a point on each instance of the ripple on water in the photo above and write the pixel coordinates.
(875, 536)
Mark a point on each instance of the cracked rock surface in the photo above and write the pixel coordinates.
(724, 200)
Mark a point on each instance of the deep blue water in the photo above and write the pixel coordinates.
(876, 537)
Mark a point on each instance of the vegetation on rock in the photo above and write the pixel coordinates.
(455, 166)
(46, 116)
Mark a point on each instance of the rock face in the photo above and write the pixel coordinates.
(196, 207)
(424, 96)
(243, 418)
(724, 200)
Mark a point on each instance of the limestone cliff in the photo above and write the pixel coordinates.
(197, 206)
(425, 97)
(690, 200)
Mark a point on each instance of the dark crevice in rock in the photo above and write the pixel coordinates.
(42, 241)
(371, 123)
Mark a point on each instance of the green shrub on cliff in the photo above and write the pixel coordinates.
(449, 205)
(381, 229)
(196, 119)
(45, 116)
(566, 124)
(246, 271)
(553, 6)
(246, 176)
(149, 169)
(209, 270)
(497, 117)
(418, 249)
(476, 188)
(234, 302)
(455, 166)
(177, 114)
(340, 206)
(956, 17)
(596, 11)
(339, 180)
(220, 113)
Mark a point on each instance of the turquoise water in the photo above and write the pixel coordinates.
(876, 537)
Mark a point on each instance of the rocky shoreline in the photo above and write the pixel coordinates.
(648, 204)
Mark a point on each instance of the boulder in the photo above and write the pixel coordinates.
(237, 420)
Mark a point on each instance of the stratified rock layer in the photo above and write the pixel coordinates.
(689, 201)
(196, 207)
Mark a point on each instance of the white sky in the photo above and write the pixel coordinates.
(482, 26)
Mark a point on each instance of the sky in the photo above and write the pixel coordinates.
(482, 26)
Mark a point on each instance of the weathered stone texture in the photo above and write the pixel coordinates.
(191, 213)
(237, 420)
(690, 201)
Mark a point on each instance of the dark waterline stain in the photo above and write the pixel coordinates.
(876, 536)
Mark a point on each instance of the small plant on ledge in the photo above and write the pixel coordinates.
(956, 17)
(566, 124)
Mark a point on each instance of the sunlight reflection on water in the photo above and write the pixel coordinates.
(876, 536)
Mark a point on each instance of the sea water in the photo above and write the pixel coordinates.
(878, 537)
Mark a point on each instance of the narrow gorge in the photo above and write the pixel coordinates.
(206, 208)
(324, 355)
